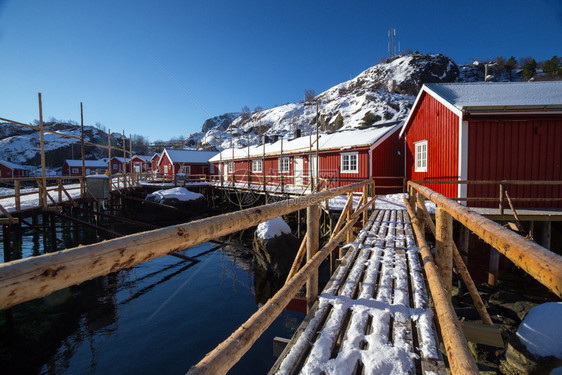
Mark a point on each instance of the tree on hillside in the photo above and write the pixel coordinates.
(529, 69)
(245, 112)
(309, 95)
(509, 65)
(140, 144)
(553, 67)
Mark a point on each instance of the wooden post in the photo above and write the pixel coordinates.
(7, 243)
(348, 215)
(501, 199)
(131, 158)
(444, 247)
(312, 243)
(420, 201)
(125, 161)
(366, 198)
(493, 266)
(17, 194)
(42, 194)
(59, 185)
(546, 234)
(109, 159)
(82, 151)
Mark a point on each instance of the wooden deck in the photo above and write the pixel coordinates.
(374, 315)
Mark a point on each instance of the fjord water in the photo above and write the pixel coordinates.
(159, 317)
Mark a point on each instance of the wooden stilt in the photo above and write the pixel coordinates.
(312, 242)
(493, 266)
(546, 234)
(7, 243)
(444, 247)
(53, 226)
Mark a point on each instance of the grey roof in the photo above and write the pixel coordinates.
(87, 163)
(142, 157)
(544, 95)
(189, 156)
(13, 166)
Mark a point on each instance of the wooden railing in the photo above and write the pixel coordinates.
(503, 195)
(542, 264)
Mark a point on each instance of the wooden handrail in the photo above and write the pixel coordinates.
(229, 352)
(459, 355)
(26, 279)
(542, 264)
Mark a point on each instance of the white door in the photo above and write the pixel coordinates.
(225, 171)
(299, 170)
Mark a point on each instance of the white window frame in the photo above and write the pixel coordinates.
(115, 166)
(165, 169)
(185, 169)
(347, 161)
(285, 165)
(75, 170)
(420, 156)
(257, 166)
(212, 169)
(231, 167)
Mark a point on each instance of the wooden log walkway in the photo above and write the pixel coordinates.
(373, 317)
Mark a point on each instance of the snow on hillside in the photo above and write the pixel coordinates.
(382, 93)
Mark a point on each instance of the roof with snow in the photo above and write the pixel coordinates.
(189, 156)
(155, 155)
(341, 140)
(486, 97)
(500, 95)
(87, 163)
(142, 157)
(13, 166)
(119, 158)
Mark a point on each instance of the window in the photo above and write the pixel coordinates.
(212, 169)
(115, 166)
(186, 169)
(230, 167)
(284, 165)
(75, 171)
(349, 163)
(165, 169)
(256, 166)
(421, 156)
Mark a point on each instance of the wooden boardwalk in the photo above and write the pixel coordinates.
(373, 317)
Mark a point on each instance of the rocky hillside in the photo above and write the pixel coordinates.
(21, 145)
(385, 92)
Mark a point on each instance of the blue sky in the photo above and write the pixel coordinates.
(118, 57)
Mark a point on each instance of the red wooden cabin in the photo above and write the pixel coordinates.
(117, 164)
(154, 162)
(140, 164)
(487, 131)
(344, 157)
(188, 162)
(8, 169)
(74, 167)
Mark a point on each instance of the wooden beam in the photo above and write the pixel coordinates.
(312, 244)
(298, 259)
(444, 247)
(544, 265)
(459, 355)
(224, 356)
(39, 276)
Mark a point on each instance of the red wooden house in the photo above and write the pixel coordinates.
(140, 164)
(117, 164)
(154, 162)
(8, 169)
(487, 131)
(74, 167)
(344, 157)
(188, 162)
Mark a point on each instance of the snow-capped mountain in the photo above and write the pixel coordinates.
(383, 93)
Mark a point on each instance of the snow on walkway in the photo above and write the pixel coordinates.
(32, 200)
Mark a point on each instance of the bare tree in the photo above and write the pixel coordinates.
(309, 95)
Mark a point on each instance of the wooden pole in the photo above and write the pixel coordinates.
(501, 199)
(131, 157)
(39, 276)
(317, 151)
(82, 151)
(349, 198)
(17, 195)
(546, 234)
(444, 247)
(42, 197)
(493, 266)
(312, 244)
(124, 161)
(298, 259)
(109, 159)
(224, 356)
(542, 264)
(459, 355)
(463, 270)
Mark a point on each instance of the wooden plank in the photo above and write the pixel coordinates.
(482, 334)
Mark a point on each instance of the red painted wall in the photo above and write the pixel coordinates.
(7, 172)
(434, 122)
(387, 160)
(155, 161)
(509, 148)
(118, 164)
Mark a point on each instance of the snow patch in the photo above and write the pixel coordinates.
(179, 193)
(541, 331)
(272, 228)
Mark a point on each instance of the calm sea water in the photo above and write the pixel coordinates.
(159, 317)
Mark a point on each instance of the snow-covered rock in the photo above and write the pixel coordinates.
(272, 228)
(177, 193)
(536, 347)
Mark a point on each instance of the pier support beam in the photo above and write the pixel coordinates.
(444, 247)
(312, 242)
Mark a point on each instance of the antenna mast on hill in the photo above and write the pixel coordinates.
(392, 42)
